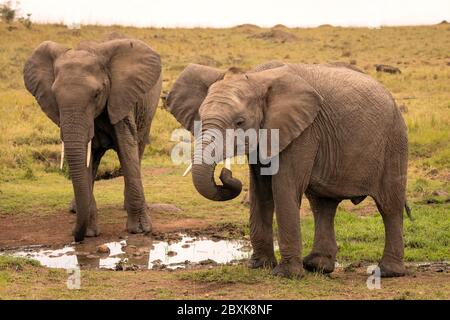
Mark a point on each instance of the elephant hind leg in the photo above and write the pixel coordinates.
(323, 255)
(391, 200)
(391, 263)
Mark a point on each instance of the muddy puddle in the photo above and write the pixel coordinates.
(143, 253)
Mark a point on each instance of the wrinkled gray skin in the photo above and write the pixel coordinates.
(107, 92)
(341, 137)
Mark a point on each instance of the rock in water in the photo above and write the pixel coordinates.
(103, 249)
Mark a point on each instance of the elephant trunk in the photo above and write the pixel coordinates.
(203, 178)
(78, 158)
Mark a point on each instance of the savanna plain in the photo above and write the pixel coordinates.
(34, 193)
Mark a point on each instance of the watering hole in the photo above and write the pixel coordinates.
(185, 252)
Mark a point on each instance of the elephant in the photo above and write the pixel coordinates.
(102, 95)
(341, 137)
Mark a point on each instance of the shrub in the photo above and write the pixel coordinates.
(7, 12)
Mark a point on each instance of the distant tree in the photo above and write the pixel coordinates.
(7, 12)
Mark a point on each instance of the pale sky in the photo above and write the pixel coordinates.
(226, 13)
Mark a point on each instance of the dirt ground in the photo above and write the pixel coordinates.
(56, 229)
(42, 283)
(202, 283)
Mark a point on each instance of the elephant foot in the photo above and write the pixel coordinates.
(264, 262)
(292, 268)
(139, 223)
(92, 231)
(391, 269)
(73, 206)
(317, 262)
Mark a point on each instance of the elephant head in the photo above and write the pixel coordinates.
(74, 86)
(271, 97)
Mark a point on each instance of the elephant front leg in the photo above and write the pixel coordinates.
(138, 220)
(287, 206)
(92, 229)
(323, 255)
(261, 220)
(288, 185)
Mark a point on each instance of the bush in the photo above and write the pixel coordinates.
(7, 12)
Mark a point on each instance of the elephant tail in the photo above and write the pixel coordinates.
(408, 211)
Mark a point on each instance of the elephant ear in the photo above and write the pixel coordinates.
(291, 105)
(38, 76)
(189, 91)
(134, 69)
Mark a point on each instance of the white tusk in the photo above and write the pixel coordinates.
(62, 156)
(188, 169)
(88, 157)
(228, 163)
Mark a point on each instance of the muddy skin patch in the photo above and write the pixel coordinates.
(182, 251)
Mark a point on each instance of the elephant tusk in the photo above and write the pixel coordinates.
(188, 169)
(88, 157)
(62, 156)
(228, 163)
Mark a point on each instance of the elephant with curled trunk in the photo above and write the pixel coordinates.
(102, 96)
(341, 136)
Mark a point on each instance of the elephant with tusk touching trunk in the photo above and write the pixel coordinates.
(340, 136)
(102, 95)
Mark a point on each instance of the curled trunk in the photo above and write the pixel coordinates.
(203, 178)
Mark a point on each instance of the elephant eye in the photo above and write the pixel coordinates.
(97, 93)
(240, 122)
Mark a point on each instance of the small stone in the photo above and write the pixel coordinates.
(103, 249)
(56, 255)
(171, 253)
(184, 246)
(207, 262)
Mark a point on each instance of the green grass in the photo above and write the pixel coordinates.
(226, 275)
(8, 262)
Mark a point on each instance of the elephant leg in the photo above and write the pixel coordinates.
(126, 134)
(323, 255)
(391, 264)
(261, 219)
(92, 229)
(141, 154)
(288, 185)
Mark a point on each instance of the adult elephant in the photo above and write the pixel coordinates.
(341, 136)
(102, 96)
